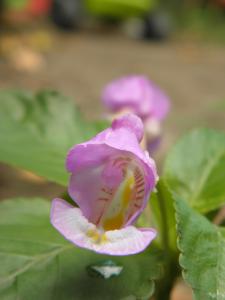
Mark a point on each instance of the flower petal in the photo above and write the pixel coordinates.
(132, 122)
(138, 94)
(70, 222)
(126, 241)
(132, 92)
(93, 177)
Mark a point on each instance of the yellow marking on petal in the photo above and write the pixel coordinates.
(128, 189)
(117, 221)
(93, 234)
(96, 236)
(104, 239)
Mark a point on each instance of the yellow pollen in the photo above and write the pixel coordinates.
(96, 236)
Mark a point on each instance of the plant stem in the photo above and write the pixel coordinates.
(164, 224)
(165, 286)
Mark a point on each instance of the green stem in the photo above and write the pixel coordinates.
(164, 224)
(164, 287)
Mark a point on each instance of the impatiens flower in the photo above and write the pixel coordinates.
(141, 96)
(111, 179)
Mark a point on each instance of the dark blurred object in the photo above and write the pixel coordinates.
(68, 14)
(157, 25)
(71, 14)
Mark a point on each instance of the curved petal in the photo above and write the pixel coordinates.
(106, 144)
(128, 240)
(70, 222)
(130, 122)
(124, 135)
(94, 175)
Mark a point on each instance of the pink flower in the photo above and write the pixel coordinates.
(142, 97)
(138, 94)
(111, 180)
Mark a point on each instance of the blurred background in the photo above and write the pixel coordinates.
(78, 46)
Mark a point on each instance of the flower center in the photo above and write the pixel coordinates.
(97, 236)
(117, 204)
(117, 220)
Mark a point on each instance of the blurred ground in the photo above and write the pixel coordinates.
(79, 65)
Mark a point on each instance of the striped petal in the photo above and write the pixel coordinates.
(111, 176)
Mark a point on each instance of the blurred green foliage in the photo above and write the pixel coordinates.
(199, 19)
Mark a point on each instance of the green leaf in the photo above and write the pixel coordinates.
(36, 131)
(38, 263)
(202, 247)
(163, 216)
(195, 169)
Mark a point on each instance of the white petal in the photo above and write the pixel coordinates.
(70, 222)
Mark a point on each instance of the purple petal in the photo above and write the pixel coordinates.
(161, 105)
(131, 92)
(70, 222)
(131, 122)
(111, 151)
(138, 94)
